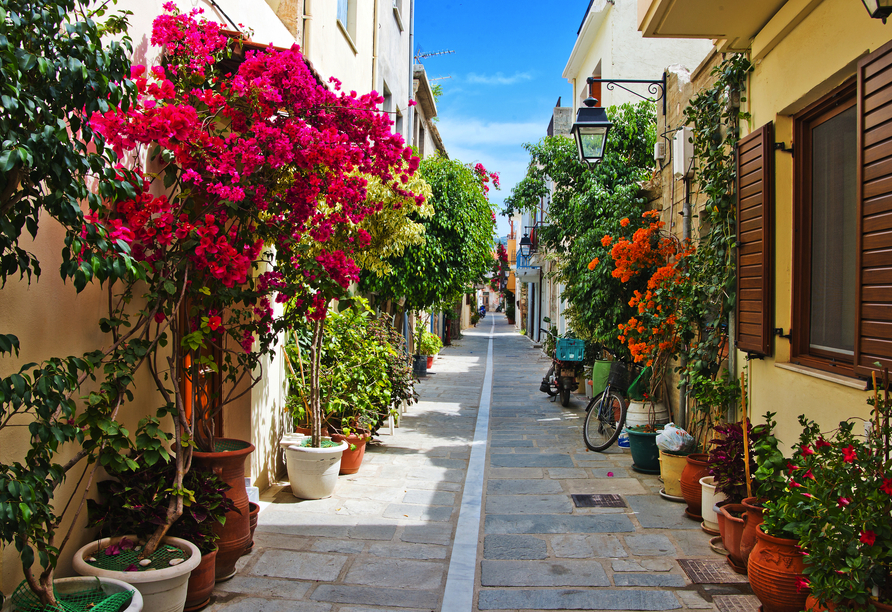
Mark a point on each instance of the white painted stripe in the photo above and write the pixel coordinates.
(459, 593)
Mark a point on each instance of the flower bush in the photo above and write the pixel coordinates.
(838, 504)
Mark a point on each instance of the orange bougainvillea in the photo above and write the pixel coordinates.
(649, 252)
(593, 263)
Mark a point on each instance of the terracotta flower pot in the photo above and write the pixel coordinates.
(696, 468)
(430, 361)
(201, 583)
(351, 460)
(752, 520)
(776, 573)
(252, 524)
(235, 534)
(731, 528)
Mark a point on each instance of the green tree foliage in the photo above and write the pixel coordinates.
(458, 241)
(55, 71)
(587, 204)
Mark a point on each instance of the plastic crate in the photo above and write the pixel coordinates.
(569, 349)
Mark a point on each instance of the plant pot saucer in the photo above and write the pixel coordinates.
(737, 568)
(717, 547)
(642, 470)
(692, 516)
(673, 498)
(709, 530)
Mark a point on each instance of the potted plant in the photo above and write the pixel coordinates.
(427, 344)
(135, 502)
(841, 489)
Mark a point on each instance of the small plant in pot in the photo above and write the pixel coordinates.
(841, 491)
(427, 344)
(135, 502)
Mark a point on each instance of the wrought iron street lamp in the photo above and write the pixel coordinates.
(525, 248)
(878, 9)
(590, 131)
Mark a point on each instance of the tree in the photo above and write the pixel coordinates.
(458, 239)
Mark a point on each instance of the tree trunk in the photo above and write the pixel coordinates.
(315, 394)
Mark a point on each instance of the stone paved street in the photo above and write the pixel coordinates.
(406, 532)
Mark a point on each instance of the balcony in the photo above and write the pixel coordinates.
(526, 271)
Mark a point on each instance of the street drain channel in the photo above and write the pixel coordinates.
(711, 571)
(736, 603)
(598, 501)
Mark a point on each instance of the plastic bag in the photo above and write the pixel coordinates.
(675, 440)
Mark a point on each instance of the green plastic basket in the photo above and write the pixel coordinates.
(639, 386)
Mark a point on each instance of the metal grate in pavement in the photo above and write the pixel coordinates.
(736, 603)
(711, 571)
(598, 501)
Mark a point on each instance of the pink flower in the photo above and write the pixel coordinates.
(843, 502)
(609, 474)
(802, 583)
(868, 537)
(412, 103)
(849, 454)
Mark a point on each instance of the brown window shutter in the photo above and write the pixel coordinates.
(755, 236)
(873, 326)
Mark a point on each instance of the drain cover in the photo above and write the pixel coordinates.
(736, 603)
(711, 571)
(598, 501)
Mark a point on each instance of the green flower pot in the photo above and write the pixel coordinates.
(645, 454)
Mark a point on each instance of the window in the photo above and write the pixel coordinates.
(825, 233)
(347, 20)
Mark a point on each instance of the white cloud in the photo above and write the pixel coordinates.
(498, 78)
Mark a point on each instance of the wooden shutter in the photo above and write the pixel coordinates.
(873, 326)
(755, 240)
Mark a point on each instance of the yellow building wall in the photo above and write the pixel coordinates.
(806, 51)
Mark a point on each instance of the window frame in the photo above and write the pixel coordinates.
(831, 105)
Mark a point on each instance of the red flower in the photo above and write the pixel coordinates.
(849, 454)
(806, 450)
(159, 317)
(820, 442)
(214, 322)
(802, 583)
(843, 502)
(868, 537)
(886, 487)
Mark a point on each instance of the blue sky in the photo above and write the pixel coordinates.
(506, 76)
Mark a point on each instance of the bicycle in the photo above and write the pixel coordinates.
(606, 413)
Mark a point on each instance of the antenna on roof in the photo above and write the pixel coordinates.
(419, 56)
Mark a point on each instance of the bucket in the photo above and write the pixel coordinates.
(639, 414)
(600, 370)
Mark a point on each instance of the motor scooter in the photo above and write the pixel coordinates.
(561, 376)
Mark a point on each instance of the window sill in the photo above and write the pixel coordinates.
(346, 34)
(854, 383)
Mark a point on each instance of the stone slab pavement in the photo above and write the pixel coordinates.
(454, 515)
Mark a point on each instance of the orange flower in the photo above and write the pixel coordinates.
(593, 263)
(606, 240)
(624, 222)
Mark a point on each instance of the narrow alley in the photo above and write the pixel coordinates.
(407, 532)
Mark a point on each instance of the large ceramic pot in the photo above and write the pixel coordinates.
(351, 460)
(708, 499)
(731, 529)
(638, 413)
(696, 468)
(671, 466)
(313, 472)
(228, 462)
(775, 571)
(79, 584)
(162, 590)
(645, 454)
(419, 365)
(751, 520)
(201, 583)
(252, 523)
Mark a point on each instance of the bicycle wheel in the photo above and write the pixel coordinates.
(604, 420)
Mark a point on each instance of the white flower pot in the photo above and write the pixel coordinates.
(163, 590)
(313, 472)
(638, 413)
(77, 584)
(709, 498)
